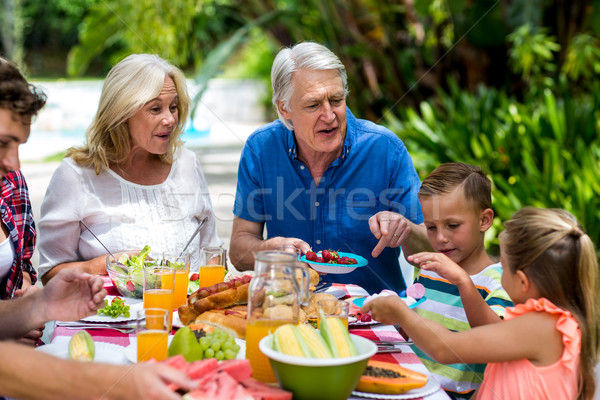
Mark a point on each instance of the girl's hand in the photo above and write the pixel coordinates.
(386, 310)
(441, 265)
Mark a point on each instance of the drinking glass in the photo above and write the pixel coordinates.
(212, 266)
(152, 332)
(333, 309)
(181, 263)
(159, 285)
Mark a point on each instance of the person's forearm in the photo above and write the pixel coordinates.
(20, 315)
(477, 310)
(95, 266)
(34, 375)
(429, 336)
(244, 245)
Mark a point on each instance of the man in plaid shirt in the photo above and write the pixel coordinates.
(19, 103)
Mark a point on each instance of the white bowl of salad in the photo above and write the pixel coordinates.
(127, 273)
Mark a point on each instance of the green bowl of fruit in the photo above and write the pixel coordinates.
(313, 364)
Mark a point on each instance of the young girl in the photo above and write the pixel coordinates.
(548, 345)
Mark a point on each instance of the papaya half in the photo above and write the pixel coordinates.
(387, 378)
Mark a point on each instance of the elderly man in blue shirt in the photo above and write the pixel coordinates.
(320, 178)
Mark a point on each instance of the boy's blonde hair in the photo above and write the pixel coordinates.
(552, 249)
(129, 85)
(477, 188)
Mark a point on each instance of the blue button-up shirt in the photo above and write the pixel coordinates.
(374, 173)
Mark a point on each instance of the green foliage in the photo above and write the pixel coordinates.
(583, 58)
(543, 153)
(532, 53)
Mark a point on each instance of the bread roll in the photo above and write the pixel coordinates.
(231, 321)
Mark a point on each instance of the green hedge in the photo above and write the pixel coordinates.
(543, 153)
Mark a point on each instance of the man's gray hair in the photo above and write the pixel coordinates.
(305, 55)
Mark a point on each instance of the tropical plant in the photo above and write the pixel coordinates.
(530, 150)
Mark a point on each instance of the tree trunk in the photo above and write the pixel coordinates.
(11, 34)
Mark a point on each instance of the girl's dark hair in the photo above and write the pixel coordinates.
(18, 95)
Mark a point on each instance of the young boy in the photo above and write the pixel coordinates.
(462, 283)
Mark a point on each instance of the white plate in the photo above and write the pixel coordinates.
(131, 350)
(134, 305)
(430, 387)
(105, 352)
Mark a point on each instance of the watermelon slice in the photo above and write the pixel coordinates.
(262, 391)
(238, 369)
(199, 368)
(221, 386)
(177, 362)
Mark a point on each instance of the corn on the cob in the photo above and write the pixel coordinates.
(315, 343)
(82, 347)
(337, 337)
(286, 340)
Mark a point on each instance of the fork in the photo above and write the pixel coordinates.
(120, 328)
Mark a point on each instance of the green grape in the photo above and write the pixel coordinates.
(229, 354)
(209, 353)
(219, 355)
(204, 344)
(236, 348)
(215, 345)
(228, 345)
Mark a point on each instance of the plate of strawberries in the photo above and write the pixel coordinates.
(333, 262)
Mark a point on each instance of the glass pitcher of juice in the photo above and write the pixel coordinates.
(274, 298)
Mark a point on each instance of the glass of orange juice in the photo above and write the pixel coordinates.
(212, 266)
(333, 309)
(159, 285)
(152, 332)
(181, 263)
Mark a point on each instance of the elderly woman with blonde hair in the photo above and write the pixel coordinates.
(132, 183)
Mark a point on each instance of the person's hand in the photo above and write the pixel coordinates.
(293, 242)
(31, 337)
(441, 265)
(384, 309)
(391, 228)
(149, 381)
(71, 295)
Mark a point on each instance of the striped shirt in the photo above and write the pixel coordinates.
(444, 305)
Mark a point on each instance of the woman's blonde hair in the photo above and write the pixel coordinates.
(129, 85)
(559, 258)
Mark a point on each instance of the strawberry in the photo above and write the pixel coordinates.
(311, 256)
(320, 260)
(326, 255)
(343, 260)
(352, 261)
(130, 286)
(194, 277)
(334, 255)
(365, 318)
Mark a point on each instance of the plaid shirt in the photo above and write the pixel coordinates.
(17, 216)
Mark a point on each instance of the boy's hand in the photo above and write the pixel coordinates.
(385, 309)
(441, 265)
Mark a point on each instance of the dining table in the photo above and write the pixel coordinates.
(117, 345)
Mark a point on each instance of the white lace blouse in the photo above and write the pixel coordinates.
(124, 215)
